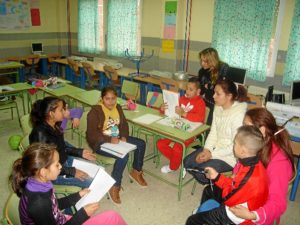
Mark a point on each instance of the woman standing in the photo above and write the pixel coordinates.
(212, 69)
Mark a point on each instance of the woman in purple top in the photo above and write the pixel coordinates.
(73, 114)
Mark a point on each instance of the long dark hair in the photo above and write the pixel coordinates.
(41, 109)
(238, 93)
(34, 158)
(261, 117)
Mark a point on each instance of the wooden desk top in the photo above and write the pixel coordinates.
(124, 72)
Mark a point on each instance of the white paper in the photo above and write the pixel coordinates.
(90, 168)
(98, 188)
(147, 119)
(234, 218)
(172, 100)
(119, 150)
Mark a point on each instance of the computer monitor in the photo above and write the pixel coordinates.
(295, 93)
(237, 75)
(37, 48)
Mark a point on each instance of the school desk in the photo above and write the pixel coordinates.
(20, 90)
(147, 83)
(163, 131)
(88, 98)
(12, 68)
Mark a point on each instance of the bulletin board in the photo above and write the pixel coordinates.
(19, 14)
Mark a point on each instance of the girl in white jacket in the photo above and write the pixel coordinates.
(228, 116)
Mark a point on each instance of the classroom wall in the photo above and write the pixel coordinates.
(53, 32)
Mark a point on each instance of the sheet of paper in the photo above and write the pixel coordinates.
(172, 100)
(119, 150)
(234, 218)
(90, 168)
(147, 119)
(99, 187)
(6, 88)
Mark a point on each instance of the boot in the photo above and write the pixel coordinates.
(137, 176)
(114, 195)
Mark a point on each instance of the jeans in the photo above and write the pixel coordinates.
(120, 163)
(72, 181)
(215, 216)
(190, 162)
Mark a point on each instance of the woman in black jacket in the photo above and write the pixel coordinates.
(46, 116)
(212, 69)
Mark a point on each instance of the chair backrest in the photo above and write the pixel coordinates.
(24, 143)
(12, 210)
(255, 101)
(111, 73)
(154, 99)
(53, 56)
(130, 89)
(25, 124)
(32, 59)
(88, 69)
(74, 66)
(168, 84)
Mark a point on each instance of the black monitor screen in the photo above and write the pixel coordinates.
(295, 92)
(37, 47)
(237, 75)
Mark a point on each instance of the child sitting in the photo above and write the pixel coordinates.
(31, 180)
(192, 108)
(74, 115)
(249, 185)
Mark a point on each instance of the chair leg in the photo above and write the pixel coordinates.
(194, 187)
(18, 114)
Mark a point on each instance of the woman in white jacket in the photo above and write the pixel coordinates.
(228, 116)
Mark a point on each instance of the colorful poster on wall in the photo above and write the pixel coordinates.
(169, 34)
(14, 14)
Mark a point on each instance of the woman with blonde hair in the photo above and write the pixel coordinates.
(212, 69)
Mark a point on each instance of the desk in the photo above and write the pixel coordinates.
(61, 91)
(14, 68)
(146, 83)
(19, 90)
(159, 130)
(88, 98)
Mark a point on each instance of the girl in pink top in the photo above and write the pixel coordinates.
(277, 157)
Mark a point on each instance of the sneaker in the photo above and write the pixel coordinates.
(114, 195)
(137, 176)
(166, 169)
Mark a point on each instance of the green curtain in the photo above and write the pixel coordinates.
(292, 64)
(88, 26)
(242, 32)
(122, 27)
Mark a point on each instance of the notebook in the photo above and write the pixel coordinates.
(119, 150)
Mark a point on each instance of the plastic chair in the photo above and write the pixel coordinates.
(12, 210)
(168, 84)
(10, 104)
(52, 66)
(113, 77)
(130, 90)
(93, 78)
(31, 62)
(25, 124)
(81, 132)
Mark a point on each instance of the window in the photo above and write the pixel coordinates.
(90, 26)
(121, 26)
(123, 29)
